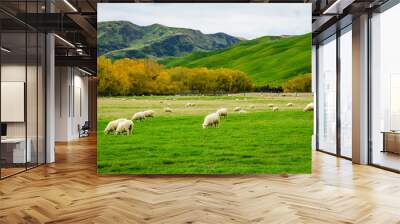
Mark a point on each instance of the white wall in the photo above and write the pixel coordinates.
(80, 110)
(62, 81)
(71, 94)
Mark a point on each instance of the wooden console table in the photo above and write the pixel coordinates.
(391, 141)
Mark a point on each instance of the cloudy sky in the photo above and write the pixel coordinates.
(238, 19)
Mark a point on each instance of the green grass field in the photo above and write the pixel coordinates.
(258, 142)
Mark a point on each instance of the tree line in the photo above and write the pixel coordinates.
(147, 77)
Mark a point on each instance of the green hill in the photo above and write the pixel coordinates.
(268, 60)
(123, 39)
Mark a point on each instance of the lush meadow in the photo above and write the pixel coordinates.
(259, 141)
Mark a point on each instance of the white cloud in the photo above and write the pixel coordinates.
(248, 20)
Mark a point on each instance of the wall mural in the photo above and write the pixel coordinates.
(190, 88)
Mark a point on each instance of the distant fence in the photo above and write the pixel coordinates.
(270, 94)
(234, 94)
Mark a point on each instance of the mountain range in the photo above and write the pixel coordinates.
(269, 60)
(121, 39)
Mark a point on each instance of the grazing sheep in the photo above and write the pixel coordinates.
(237, 109)
(309, 107)
(149, 113)
(211, 120)
(138, 116)
(125, 126)
(242, 111)
(168, 110)
(190, 105)
(222, 112)
(290, 104)
(271, 105)
(112, 125)
(275, 109)
(252, 106)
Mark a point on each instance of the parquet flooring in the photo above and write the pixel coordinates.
(70, 191)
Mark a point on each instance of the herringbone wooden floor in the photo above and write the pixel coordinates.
(70, 191)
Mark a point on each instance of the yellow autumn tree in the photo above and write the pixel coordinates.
(146, 76)
(300, 83)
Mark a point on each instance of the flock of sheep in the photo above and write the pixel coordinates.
(214, 118)
(123, 125)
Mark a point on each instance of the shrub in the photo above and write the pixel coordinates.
(301, 83)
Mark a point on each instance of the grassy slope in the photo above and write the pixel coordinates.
(268, 60)
(175, 143)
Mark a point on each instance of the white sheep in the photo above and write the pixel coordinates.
(237, 109)
(290, 105)
(252, 106)
(211, 120)
(222, 112)
(190, 105)
(242, 111)
(309, 107)
(149, 113)
(275, 108)
(168, 110)
(138, 116)
(271, 105)
(112, 126)
(125, 126)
